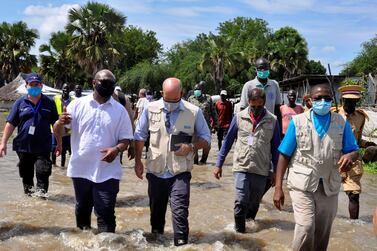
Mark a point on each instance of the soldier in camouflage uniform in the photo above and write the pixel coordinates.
(204, 102)
(356, 117)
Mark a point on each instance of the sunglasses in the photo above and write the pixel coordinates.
(326, 98)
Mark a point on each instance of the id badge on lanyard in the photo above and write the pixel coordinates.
(35, 113)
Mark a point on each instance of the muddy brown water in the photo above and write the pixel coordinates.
(35, 224)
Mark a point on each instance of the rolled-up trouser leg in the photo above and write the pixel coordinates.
(104, 199)
(325, 212)
(179, 204)
(43, 168)
(84, 202)
(257, 186)
(158, 192)
(26, 171)
(304, 213)
(241, 202)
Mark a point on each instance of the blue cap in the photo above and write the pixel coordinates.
(33, 77)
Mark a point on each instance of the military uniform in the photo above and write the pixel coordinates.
(204, 102)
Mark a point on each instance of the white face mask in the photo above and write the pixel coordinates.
(171, 106)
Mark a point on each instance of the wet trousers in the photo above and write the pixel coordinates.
(42, 164)
(101, 196)
(314, 214)
(177, 189)
(249, 188)
(221, 134)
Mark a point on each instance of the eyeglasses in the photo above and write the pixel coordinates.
(167, 121)
(326, 98)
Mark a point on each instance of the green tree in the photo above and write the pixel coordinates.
(55, 64)
(15, 43)
(137, 46)
(288, 53)
(145, 75)
(365, 62)
(218, 60)
(314, 67)
(94, 28)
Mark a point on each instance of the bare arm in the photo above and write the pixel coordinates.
(8, 130)
(139, 167)
(279, 194)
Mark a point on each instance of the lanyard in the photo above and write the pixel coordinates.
(254, 120)
(35, 110)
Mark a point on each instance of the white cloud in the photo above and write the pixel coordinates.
(329, 49)
(196, 11)
(280, 6)
(48, 19)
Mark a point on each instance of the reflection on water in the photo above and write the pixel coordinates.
(35, 224)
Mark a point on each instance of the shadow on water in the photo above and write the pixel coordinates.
(205, 185)
(9, 230)
(133, 201)
(62, 198)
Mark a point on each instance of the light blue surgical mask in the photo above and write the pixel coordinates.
(171, 106)
(198, 93)
(34, 91)
(263, 74)
(321, 107)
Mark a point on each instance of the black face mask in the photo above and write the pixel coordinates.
(349, 109)
(256, 111)
(105, 90)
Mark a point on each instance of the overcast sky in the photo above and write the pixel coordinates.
(334, 29)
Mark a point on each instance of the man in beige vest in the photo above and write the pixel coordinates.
(317, 146)
(169, 164)
(258, 136)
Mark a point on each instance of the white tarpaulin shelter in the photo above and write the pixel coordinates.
(47, 90)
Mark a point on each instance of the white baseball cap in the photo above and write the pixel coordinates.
(224, 92)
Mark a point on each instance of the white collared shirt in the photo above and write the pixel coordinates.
(94, 127)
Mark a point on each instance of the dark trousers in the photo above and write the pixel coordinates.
(42, 164)
(101, 196)
(221, 134)
(66, 147)
(177, 189)
(249, 188)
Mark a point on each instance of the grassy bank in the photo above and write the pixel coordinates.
(370, 168)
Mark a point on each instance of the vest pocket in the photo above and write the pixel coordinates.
(154, 136)
(155, 163)
(299, 177)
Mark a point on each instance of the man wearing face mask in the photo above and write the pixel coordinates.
(62, 101)
(169, 166)
(270, 87)
(258, 136)
(33, 115)
(100, 130)
(204, 102)
(224, 112)
(317, 146)
(351, 94)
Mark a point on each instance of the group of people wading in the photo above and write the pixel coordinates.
(319, 147)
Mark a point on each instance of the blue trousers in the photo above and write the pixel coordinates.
(177, 189)
(249, 188)
(101, 196)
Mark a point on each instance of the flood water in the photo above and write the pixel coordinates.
(35, 224)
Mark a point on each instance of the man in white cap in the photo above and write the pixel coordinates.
(224, 114)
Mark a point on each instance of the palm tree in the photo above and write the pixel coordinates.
(15, 43)
(217, 60)
(288, 52)
(55, 64)
(94, 27)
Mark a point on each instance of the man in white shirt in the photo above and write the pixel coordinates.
(100, 130)
(140, 104)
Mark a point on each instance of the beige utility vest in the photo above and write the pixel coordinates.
(159, 155)
(256, 157)
(315, 158)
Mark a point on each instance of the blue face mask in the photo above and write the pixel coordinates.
(34, 91)
(321, 107)
(198, 93)
(263, 74)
